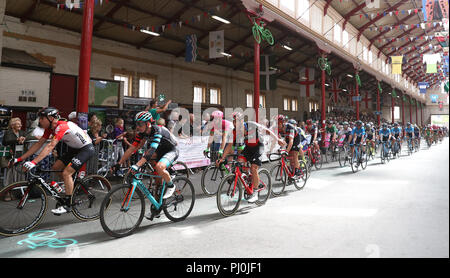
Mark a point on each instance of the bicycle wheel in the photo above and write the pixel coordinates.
(183, 169)
(279, 180)
(256, 34)
(364, 159)
(354, 162)
(300, 183)
(88, 195)
(211, 178)
(265, 186)
(267, 35)
(229, 195)
(22, 208)
(318, 159)
(116, 219)
(343, 157)
(180, 205)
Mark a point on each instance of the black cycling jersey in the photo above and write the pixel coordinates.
(162, 140)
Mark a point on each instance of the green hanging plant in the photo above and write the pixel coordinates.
(404, 98)
(394, 93)
(446, 85)
(379, 87)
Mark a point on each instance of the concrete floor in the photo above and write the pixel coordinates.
(399, 209)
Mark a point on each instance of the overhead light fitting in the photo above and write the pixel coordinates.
(150, 33)
(287, 47)
(218, 18)
(226, 54)
(349, 75)
(328, 85)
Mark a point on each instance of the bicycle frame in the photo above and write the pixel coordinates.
(137, 182)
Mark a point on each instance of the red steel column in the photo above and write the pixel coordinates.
(357, 103)
(417, 116)
(392, 107)
(84, 70)
(421, 114)
(403, 110)
(323, 102)
(378, 105)
(256, 77)
(410, 110)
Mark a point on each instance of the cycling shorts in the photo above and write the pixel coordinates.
(253, 154)
(75, 158)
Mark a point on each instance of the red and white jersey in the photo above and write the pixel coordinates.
(69, 133)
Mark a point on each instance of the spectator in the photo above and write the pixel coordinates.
(96, 132)
(155, 110)
(14, 136)
(119, 133)
(161, 122)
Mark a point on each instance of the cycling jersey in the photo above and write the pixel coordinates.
(162, 142)
(409, 131)
(359, 132)
(70, 134)
(297, 135)
(396, 131)
(332, 129)
(222, 127)
(384, 133)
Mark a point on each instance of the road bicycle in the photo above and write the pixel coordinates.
(416, 144)
(235, 185)
(344, 155)
(396, 148)
(313, 157)
(260, 33)
(410, 145)
(385, 152)
(121, 213)
(212, 175)
(331, 149)
(23, 204)
(283, 175)
(359, 158)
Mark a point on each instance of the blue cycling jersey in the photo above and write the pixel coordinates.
(359, 131)
(397, 130)
(409, 130)
(385, 132)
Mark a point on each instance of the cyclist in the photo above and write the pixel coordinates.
(370, 131)
(332, 130)
(296, 140)
(222, 128)
(312, 129)
(385, 134)
(396, 132)
(163, 148)
(358, 134)
(250, 133)
(409, 133)
(417, 132)
(80, 150)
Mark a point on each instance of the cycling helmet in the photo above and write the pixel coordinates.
(308, 122)
(384, 125)
(49, 111)
(292, 122)
(408, 124)
(395, 124)
(359, 122)
(143, 116)
(345, 123)
(217, 114)
(280, 118)
(236, 115)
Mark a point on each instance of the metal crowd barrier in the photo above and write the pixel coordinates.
(107, 153)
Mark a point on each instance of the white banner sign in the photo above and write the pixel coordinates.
(216, 44)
